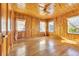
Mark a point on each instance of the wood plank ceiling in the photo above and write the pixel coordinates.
(33, 9)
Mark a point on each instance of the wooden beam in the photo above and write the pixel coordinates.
(0, 17)
(6, 18)
(12, 27)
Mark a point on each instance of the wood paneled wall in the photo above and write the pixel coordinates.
(32, 26)
(28, 27)
(35, 27)
(61, 28)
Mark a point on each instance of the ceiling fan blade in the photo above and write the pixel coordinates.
(46, 6)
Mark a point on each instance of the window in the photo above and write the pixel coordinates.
(20, 25)
(42, 27)
(3, 26)
(51, 26)
(73, 25)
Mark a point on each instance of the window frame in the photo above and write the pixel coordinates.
(3, 26)
(70, 18)
(20, 19)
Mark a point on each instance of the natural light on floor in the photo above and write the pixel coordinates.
(68, 41)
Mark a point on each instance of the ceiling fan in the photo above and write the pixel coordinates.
(46, 7)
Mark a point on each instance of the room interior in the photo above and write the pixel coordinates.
(39, 29)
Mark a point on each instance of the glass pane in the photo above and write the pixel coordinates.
(9, 24)
(42, 27)
(3, 26)
(51, 26)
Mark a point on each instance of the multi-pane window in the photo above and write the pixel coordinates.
(42, 26)
(73, 25)
(20, 25)
(51, 26)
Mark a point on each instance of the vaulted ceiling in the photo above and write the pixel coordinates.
(44, 10)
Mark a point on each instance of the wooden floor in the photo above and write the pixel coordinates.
(44, 46)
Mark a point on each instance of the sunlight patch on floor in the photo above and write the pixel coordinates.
(68, 41)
